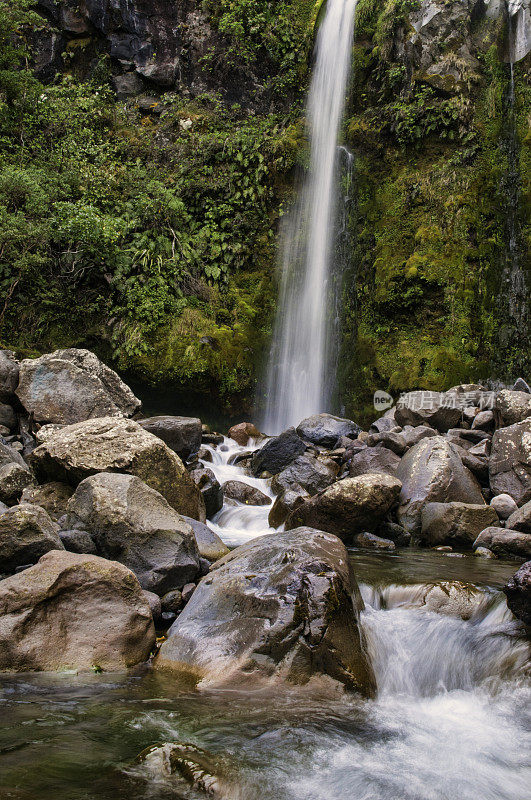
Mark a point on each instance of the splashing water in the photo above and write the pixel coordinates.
(298, 383)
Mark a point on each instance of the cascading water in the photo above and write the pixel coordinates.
(298, 382)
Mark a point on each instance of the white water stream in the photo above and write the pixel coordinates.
(298, 382)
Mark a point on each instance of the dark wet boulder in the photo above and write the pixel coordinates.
(15, 474)
(209, 544)
(325, 429)
(311, 473)
(277, 607)
(518, 592)
(53, 497)
(244, 493)
(243, 432)
(440, 410)
(510, 462)
(133, 524)
(372, 542)
(285, 503)
(520, 520)
(350, 506)
(181, 434)
(513, 407)
(504, 542)
(78, 541)
(26, 534)
(390, 440)
(110, 444)
(456, 524)
(210, 489)
(432, 471)
(396, 533)
(9, 373)
(73, 612)
(373, 459)
(72, 385)
(277, 453)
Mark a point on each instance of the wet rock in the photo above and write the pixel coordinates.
(110, 444)
(237, 490)
(9, 372)
(392, 441)
(396, 533)
(15, 474)
(285, 503)
(213, 439)
(520, 520)
(518, 592)
(457, 524)
(513, 406)
(184, 766)
(373, 459)
(278, 607)
(510, 462)
(53, 497)
(172, 602)
(503, 505)
(311, 473)
(72, 385)
(432, 471)
(204, 454)
(133, 524)
(484, 552)
(26, 534)
(504, 542)
(454, 599)
(350, 506)
(209, 544)
(243, 432)
(277, 453)
(373, 542)
(181, 434)
(325, 429)
(153, 601)
(437, 409)
(73, 612)
(77, 541)
(210, 489)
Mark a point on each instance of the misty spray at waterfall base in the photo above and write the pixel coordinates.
(300, 376)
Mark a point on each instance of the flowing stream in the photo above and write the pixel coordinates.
(298, 381)
(450, 721)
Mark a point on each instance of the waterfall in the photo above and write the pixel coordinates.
(298, 381)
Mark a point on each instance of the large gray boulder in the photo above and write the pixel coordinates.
(277, 453)
(373, 459)
(518, 592)
(181, 434)
(15, 474)
(440, 410)
(72, 385)
(510, 462)
(133, 524)
(9, 371)
(513, 406)
(112, 444)
(73, 612)
(504, 542)
(278, 607)
(26, 534)
(350, 506)
(307, 472)
(209, 544)
(325, 429)
(520, 520)
(432, 471)
(456, 524)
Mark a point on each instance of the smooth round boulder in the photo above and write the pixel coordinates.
(503, 505)
(26, 534)
(181, 434)
(505, 542)
(373, 459)
(110, 444)
(326, 429)
(244, 493)
(209, 544)
(73, 612)
(132, 523)
(456, 524)
(518, 593)
(278, 608)
(350, 506)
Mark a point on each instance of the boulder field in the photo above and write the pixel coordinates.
(104, 533)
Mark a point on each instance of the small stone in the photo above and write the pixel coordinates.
(172, 601)
(503, 505)
(188, 591)
(484, 552)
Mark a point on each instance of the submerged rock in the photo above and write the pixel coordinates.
(73, 612)
(350, 506)
(277, 607)
(325, 429)
(457, 524)
(184, 765)
(72, 385)
(133, 524)
(26, 534)
(181, 434)
(117, 445)
(504, 542)
(518, 592)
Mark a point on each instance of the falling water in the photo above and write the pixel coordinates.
(298, 380)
